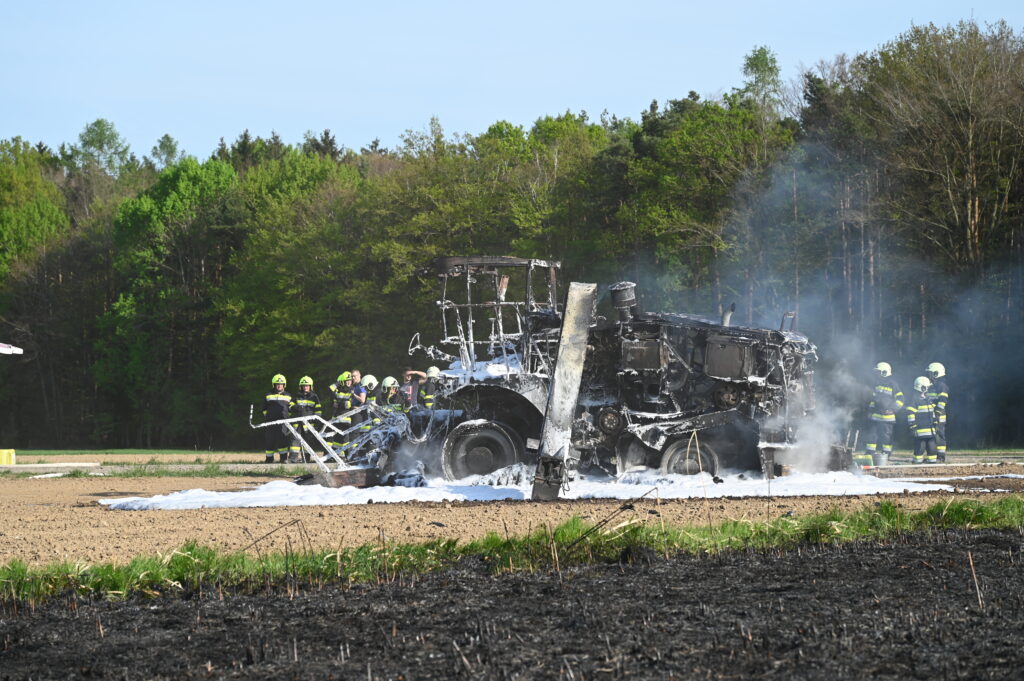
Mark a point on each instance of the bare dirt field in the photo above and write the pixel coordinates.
(55, 519)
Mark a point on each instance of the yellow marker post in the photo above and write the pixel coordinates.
(7, 457)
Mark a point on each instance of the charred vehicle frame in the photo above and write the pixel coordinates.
(675, 392)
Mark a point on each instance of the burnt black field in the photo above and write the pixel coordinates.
(905, 610)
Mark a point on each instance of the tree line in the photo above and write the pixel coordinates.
(880, 198)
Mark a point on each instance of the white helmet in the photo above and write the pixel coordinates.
(921, 383)
(369, 381)
(884, 368)
(433, 372)
(936, 370)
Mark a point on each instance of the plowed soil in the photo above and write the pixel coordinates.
(938, 605)
(46, 520)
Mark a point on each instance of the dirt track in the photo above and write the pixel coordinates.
(52, 519)
(911, 609)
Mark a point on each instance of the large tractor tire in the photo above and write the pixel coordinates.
(479, 448)
(689, 458)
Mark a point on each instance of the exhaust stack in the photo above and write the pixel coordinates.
(727, 315)
(624, 300)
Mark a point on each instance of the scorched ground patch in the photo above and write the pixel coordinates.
(909, 609)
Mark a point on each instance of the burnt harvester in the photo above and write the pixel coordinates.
(535, 377)
(675, 392)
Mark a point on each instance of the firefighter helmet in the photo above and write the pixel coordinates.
(344, 376)
(389, 382)
(279, 378)
(306, 380)
(433, 372)
(884, 369)
(369, 381)
(936, 370)
(921, 383)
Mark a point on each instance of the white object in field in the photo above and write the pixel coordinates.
(6, 349)
(475, 488)
(556, 453)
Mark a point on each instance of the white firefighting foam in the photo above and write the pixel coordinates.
(517, 484)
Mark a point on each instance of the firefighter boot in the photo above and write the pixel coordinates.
(863, 460)
(282, 457)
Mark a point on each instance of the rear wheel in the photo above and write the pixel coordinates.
(480, 448)
(686, 457)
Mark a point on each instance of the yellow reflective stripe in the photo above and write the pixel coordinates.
(279, 398)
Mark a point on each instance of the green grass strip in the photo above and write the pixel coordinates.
(151, 470)
(210, 470)
(570, 544)
(25, 453)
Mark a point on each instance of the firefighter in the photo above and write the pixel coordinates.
(390, 399)
(938, 393)
(276, 406)
(370, 394)
(410, 388)
(886, 400)
(921, 419)
(306, 403)
(428, 389)
(341, 398)
(341, 391)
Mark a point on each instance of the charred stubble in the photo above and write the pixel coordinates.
(909, 609)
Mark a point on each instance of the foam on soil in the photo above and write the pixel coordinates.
(516, 483)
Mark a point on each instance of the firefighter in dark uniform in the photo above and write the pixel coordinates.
(341, 392)
(938, 393)
(306, 403)
(369, 392)
(390, 398)
(921, 419)
(428, 389)
(276, 406)
(886, 400)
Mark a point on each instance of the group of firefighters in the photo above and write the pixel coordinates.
(926, 416)
(350, 391)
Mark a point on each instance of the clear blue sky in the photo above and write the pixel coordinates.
(205, 70)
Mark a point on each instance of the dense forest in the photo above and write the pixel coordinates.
(879, 196)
